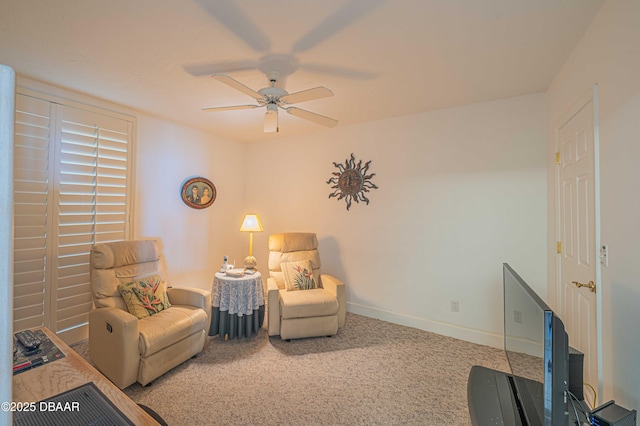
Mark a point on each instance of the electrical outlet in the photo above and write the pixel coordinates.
(517, 316)
(455, 306)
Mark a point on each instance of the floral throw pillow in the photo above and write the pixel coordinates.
(298, 275)
(145, 297)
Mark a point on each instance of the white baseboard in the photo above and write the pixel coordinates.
(452, 330)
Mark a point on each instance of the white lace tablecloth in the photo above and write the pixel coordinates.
(237, 296)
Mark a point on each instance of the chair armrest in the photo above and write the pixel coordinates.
(336, 287)
(271, 285)
(113, 344)
(273, 305)
(190, 296)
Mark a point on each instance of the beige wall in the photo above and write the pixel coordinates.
(609, 55)
(195, 240)
(461, 190)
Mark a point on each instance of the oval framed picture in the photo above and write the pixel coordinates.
(198, 192)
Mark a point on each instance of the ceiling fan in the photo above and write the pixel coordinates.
(274, 98)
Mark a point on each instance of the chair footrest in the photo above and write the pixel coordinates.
(309, 327)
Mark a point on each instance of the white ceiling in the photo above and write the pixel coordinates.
(381, 58)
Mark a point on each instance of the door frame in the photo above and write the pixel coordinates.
(7, 114)
(590, 96)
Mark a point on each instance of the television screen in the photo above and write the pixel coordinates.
(536, 346)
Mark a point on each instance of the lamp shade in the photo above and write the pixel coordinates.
(251, 223)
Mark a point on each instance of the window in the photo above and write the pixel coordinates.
(72, 189)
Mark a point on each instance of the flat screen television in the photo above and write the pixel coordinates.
(537, 349)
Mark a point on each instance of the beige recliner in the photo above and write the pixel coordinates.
(302, 313)
(127, 349)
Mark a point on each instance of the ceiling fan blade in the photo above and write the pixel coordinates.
(338, 71)
(230, 108)
(334, 23)
(312, 116)
(232, 17)
(223, 78)
(207, 68)
(306, 95)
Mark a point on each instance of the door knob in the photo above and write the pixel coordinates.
(591, 286)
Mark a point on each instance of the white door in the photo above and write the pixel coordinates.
(577, 230)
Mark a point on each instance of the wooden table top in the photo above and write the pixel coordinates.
(68, 373)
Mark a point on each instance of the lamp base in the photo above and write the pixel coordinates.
(250, 262)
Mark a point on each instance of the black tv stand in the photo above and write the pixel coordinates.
(491, 399)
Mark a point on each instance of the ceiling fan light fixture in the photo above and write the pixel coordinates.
(271, 119)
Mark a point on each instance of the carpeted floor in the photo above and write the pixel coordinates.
(372, 373)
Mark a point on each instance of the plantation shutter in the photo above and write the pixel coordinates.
(71, 190)
(92, 204)
(31, 210)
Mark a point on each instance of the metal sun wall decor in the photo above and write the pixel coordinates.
(351, 181)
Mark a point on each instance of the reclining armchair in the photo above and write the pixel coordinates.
(164, 330)
(302, 302)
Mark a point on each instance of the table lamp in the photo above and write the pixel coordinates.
(251, 224)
